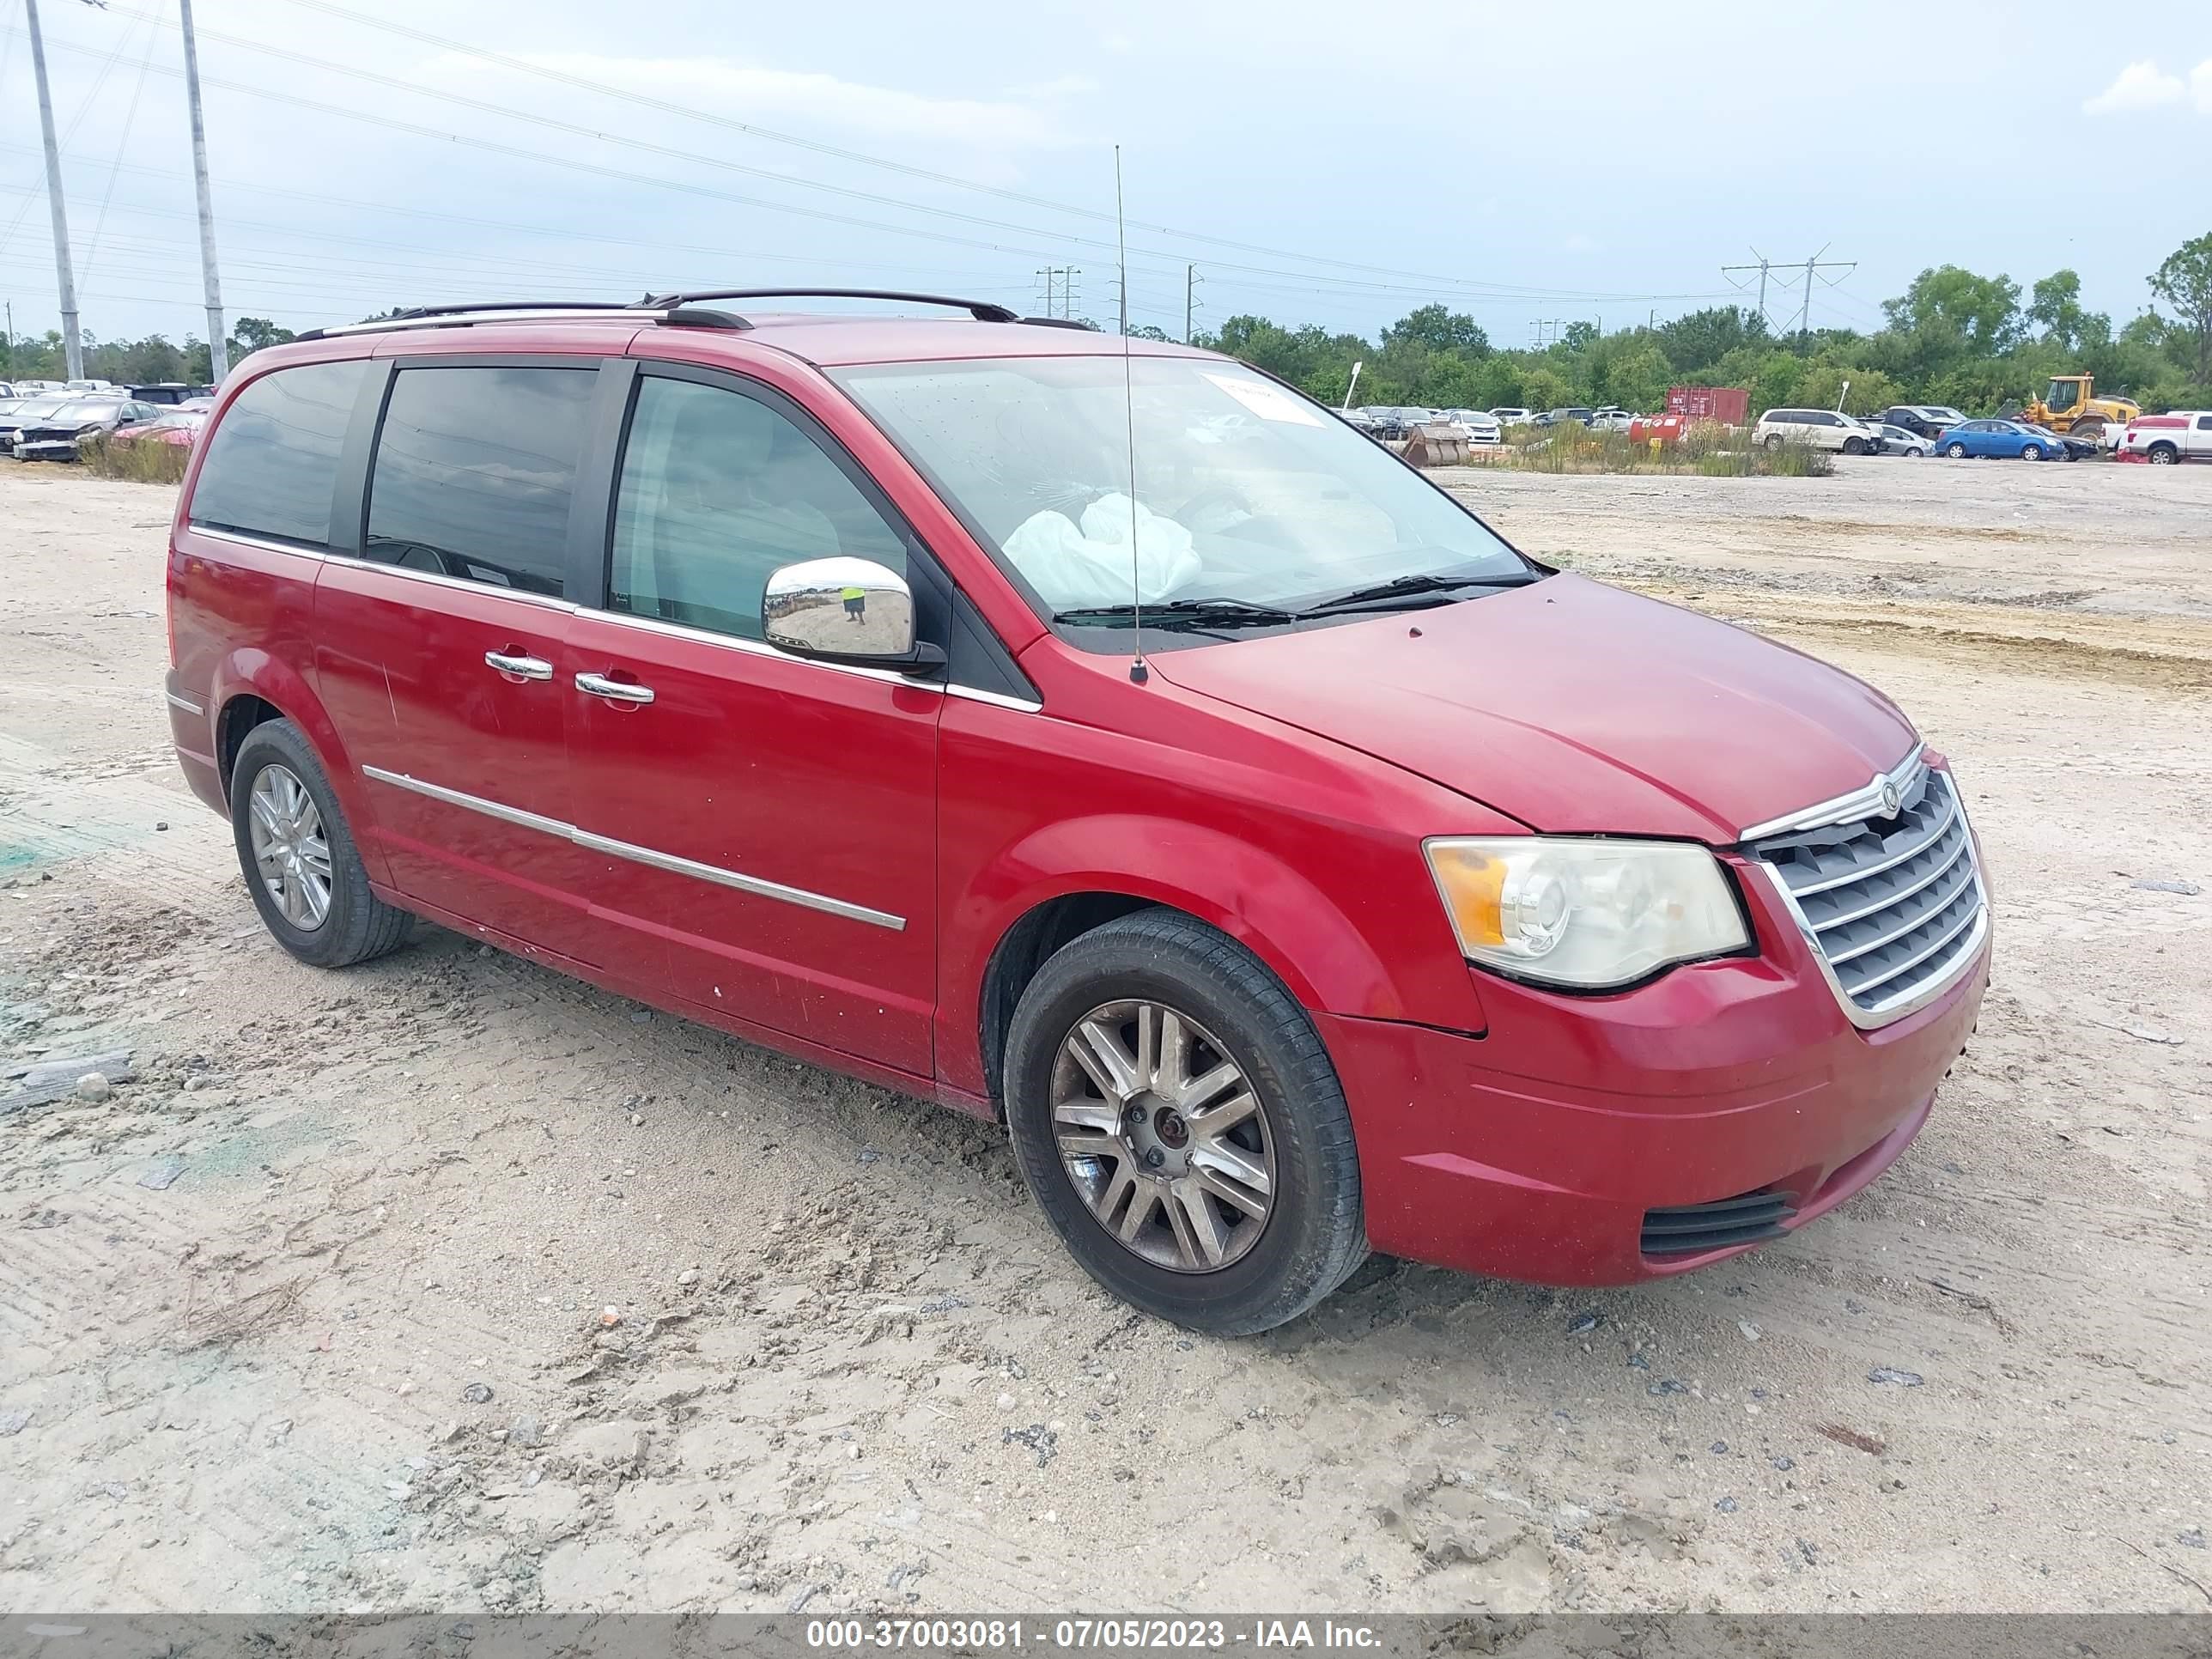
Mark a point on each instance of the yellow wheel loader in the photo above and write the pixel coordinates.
(2069, 404)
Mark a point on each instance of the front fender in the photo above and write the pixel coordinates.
(1304, 934)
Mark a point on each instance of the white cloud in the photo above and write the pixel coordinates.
(2141, 85)
(853, 111)
(2200, 87)
(1580, 242)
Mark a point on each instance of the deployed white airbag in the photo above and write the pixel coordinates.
(1076, 567)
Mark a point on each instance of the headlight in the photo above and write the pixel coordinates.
(1587, 914)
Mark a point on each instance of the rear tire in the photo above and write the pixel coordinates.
(2164, 455)
(1104, 1167)
(1956, 452)
(1774, 440)
(298, 854)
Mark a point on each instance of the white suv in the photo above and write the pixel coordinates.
(1823, 428)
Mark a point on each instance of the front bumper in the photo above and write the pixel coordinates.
(45, 449)
(1535, 1150)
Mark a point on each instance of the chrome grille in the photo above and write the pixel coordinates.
(1892, 901)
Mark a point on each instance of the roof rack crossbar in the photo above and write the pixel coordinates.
(983, 311)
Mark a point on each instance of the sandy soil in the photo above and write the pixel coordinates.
(448, 1283)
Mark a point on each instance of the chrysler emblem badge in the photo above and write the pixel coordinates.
(1890, 800)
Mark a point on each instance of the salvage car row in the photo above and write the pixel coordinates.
(49, 425)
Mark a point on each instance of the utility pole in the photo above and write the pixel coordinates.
(72, 346)
(218, 345)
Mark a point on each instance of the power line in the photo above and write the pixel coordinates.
(1097, 214)
(601, 135)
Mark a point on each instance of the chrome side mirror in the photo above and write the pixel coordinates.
(844, 610)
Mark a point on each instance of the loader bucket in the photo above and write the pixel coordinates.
(1435, 445)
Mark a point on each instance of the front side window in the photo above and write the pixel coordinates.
(273, 462)
(1244, 492)
(718, 490)
(474, 470)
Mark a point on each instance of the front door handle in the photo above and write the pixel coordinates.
(614, 690)
(527, 668)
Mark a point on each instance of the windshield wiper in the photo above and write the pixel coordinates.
(1214, 612)
(1399, 587)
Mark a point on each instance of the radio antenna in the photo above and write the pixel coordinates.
(1138, 672)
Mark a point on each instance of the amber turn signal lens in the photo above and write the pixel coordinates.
(1474, 885)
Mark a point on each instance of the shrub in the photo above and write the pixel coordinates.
(140, 462)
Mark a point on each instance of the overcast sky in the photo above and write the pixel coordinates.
(1576, 158)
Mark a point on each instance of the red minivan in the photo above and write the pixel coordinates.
(1097, 735)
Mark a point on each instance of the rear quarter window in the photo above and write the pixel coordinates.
(272, 461)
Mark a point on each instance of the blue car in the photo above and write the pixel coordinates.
(2005, 439)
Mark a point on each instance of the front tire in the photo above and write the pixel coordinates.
(299, 857)
(1855, 446)
(1179, 1122)
(2031, 451)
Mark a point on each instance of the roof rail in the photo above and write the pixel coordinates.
(533, 311)
(1061, 322)
(983, 311)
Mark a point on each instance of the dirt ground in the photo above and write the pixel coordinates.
(447, 1283)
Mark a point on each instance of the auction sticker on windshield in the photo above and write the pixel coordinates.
(1269, 403)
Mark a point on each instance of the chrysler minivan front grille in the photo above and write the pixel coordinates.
(1891, 899)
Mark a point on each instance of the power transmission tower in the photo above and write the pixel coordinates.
(1767, 267)
(1061, 279)
(218, 345)
(1544, 331)
(1190, 281)
(72, 345)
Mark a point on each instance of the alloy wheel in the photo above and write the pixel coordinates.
(291, 853)
(1163, 1136)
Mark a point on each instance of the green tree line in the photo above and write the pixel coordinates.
(148, 361)
(1976, 343)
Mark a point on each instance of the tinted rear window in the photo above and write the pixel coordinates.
(273, 460)
(474, 468)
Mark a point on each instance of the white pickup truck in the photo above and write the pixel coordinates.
(2185, 434)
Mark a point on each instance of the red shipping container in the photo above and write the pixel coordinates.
(1727, 404)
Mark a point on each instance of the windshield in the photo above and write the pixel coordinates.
(1941, 412)
(40, 409)
(1245, 492)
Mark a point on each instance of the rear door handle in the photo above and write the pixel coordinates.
(614, 690)
(528, 668)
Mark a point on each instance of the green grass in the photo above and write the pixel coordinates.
(1708, 449)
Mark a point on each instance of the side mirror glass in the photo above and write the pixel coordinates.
(844, 610)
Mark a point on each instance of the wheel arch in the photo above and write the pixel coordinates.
(250, 688)
(1078, 878)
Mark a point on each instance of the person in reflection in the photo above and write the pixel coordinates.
(856, 604)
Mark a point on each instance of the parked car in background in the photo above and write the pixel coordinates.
(1610, 418)
(1553, 417)
(1896, 441)
(1513, 417)
(1382, 421)
(2005, 441)
(1924, 420)
(2182, 434)
(176, 424)
(170, 391)
(1335, 934)
(27, 410)
(90, 385)
(1822, 428)
(2085, 445)
(1480, 426)
(55, 435)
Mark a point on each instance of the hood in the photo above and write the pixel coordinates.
(1575, 707)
